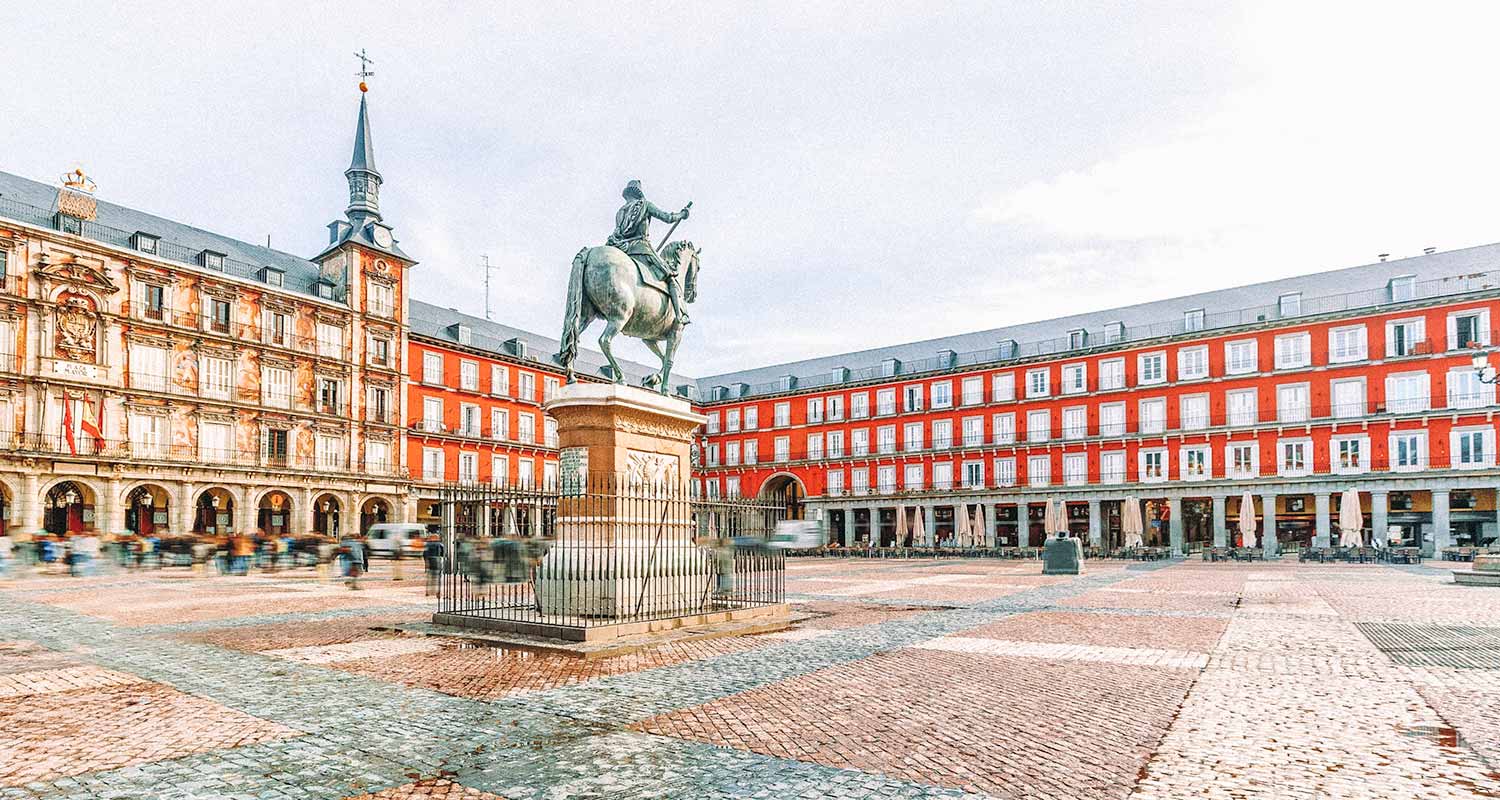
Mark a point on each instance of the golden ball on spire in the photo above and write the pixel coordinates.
(363, 87)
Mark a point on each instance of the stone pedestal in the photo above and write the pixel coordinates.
(1063, 555)
(1486, 572)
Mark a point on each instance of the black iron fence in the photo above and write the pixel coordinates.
(604, 550)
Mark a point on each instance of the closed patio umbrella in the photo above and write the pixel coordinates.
(1247, 520)
(1351, 520)
(901, 529)
(1130, 522)
(1052, 520)
(919, 530)
(961, 535)
(981, 533)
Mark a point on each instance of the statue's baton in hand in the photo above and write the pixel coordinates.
(668, 237)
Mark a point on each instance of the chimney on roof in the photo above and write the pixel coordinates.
(1427, 251)
(1384, 256)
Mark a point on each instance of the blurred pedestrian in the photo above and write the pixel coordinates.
(433, 553)
(5, 554)
(353, 552)
(85, 548)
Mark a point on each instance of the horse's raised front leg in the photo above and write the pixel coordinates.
(610, 329)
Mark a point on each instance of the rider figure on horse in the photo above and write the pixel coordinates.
(632, 235)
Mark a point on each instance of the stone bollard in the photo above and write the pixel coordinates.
(1063, 555)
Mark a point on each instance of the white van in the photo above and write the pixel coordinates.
(796, 534)
(385, 538)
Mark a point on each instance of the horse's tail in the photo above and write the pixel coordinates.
(573, 313)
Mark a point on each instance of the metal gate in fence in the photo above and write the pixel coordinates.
(604, 551)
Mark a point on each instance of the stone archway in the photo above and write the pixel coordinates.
(327, 515)
(147, 509)
(213, 512)
(273, 513)
(373, 511)
(68, 507)
(784, 489)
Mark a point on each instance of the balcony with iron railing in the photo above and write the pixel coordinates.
(84, 446)
(1369, 300)
(243, 332)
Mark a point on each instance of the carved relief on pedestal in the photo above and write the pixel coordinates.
(651, 469)
(645, 426)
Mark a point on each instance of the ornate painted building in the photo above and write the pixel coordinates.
(1292, 390)
(157, 377)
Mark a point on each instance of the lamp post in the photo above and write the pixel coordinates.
(1482, 367)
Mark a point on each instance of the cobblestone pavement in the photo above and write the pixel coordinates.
(903, 679)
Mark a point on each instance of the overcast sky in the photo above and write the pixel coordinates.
(862, 174)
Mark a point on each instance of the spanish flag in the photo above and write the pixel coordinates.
(67, 422)
(90, 422)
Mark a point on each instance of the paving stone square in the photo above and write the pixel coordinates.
(900, 678)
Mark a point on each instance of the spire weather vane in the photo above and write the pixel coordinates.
(364, 68)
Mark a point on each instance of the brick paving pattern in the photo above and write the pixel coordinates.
(907, 678)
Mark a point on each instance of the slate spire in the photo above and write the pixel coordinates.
(364, 179)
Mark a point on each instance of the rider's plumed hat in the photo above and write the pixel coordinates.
(633, 191)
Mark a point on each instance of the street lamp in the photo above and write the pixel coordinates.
(1482, 367)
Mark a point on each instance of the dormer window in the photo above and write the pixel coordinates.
(717, 392)
(272, 276)
(67, 223)
(1078, 338)
(323, 289)
(1403, 288)
(889, 367)
(786, 383)
(1289, 305)
(460, 333)
(1193, 320)
(211, 260)
(1007, 348)
(146, 243)
(518, 346)
(1114, 332)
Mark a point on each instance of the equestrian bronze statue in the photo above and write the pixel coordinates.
(637, 289)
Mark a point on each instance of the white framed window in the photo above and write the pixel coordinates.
(732, 420)
(885, 439)
(1193, 320)
(1347, 344)
(1472, 448)
(468, 375)
(549, 431)
(1240, 357)
(1292, 403)
(911, 478)
(835, 483)
(711, 488)
(783, 448)
(499, 380)
(911, 397)
(1151, 368)
(942, 475)
(1349, 454)
(1465, 390)
(432, 368)
(973, 472)
(468, 419)
(1004, 428)
(526, 472)
(278, 328)
(526, 428)
(432, 464)
(216, 377)
(1192, 410)
(752, 451)
(499, 424)
(1289, 305)
(942, 434)
(1075, 378)
(782, 415)
(1077, 339)
(1408, 451)
(1403, 288)
(378, 351)
(1003, 387)
(1075, 468)
(713, 422)
(500, 469)
(215, 441)
(911, 437)
(526, 390)
(859, 480)
(885, 479)
(276, 387)
(973, 431)
(1038, 425)
(752, 418)
(1195, 463)
(942, 394)
(1405, 337)
(1075, 422)
(835, 444)
(1112, 419)
(712, 454)
(550, 386)
(382, 300)
(1039, 470)
(859, 405)
(1294, 457)
(1038, 382)
(859, 442)
(1112, 467)
(973, 390)
(885, 402)
(1243, 407)
(814, 410)
(1242, 459)
(1192, 363)
(1347, 398)
(835, 404)
(1293, 350)
(1469, 328)
(148, 435)
(1152, 415)
(1407, 392)
(815, 446)
(1153, 465)
(1005, 472)
(1111, 374)
(330, 341)
(432, 414)
(378, 457)
(468, 467)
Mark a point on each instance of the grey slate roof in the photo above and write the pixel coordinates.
(364, 142)
(1438, 273)
(436, 321)
(115, 225)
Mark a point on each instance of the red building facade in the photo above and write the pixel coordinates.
(1293, 391)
